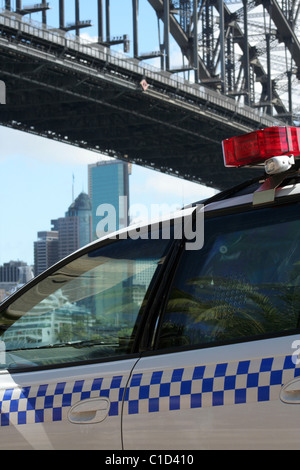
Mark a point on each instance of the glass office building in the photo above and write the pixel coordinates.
(109, 194)
(75, 228)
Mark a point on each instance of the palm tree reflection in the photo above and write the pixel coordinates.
(218, 309)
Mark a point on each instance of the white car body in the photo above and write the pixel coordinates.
(236, 395)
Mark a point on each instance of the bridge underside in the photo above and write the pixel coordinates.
(135, 126)
(97, 104)
(130, 125)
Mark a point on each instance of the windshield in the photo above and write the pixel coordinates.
(85, 310)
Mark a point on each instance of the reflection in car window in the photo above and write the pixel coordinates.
(85, 310)
(244, 282)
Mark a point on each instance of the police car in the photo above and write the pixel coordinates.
(162, 338)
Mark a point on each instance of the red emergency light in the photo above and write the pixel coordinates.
(257, 147)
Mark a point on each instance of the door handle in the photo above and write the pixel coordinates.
(290, 393)
(89, 411)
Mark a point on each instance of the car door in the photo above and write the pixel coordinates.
(68, 347)
(222, 366)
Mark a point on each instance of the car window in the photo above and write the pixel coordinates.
(244, 283)
(86, 310)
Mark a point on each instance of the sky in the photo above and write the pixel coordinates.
(36, 174)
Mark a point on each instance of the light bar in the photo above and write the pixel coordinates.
(257, 147)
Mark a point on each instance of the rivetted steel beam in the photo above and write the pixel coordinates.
(135, 10)
(44, 13)
(257, 66)
(77, 17)
(107, 14)
(167, 34)
(240, 38)
(285, 30)
(100, 21)
(180, 37)
(246, 54)
(222, 45)
(196, 55)
(61, 14)
(18, 6)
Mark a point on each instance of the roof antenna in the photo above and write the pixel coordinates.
(73, 187)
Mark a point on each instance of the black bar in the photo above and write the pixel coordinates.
(100, 21)
(167, 33)
(107, 21)
(44, 13)
(18, 6)
(196, 56)
(61, 14)
(222, 46)
(269, 71)
(135, 11)
(246, 55)
(77, 17)
(289, 74)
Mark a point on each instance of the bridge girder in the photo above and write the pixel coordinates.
(89, 97)
(222, 30)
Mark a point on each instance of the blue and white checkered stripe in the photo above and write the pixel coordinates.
(51, 402)
(232, 383)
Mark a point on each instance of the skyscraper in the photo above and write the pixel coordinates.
(74, 230)
(45, 251)
(108, 186)
(82, 209)
(68, 234)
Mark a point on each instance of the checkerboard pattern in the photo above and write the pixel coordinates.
(52, 402)
(232, 383)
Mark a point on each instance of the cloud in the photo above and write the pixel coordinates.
(16, 143)
(166, 187)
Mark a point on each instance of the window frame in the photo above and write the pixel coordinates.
(152, 348)
(141, 320)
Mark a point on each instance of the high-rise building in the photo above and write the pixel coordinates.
(82, 209)
(16, 272)
(74, 230)
(12, 276)
(45, 251)
(108, 186)
(10, 272)
(68, 234)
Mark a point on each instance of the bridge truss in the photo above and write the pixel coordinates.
(245, 49)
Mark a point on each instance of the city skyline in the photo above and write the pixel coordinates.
(36, 178)
(36, 185)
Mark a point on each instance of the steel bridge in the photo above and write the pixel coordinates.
(240, 71)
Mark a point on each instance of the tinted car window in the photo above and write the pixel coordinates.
(85, 310)
(244, 283)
